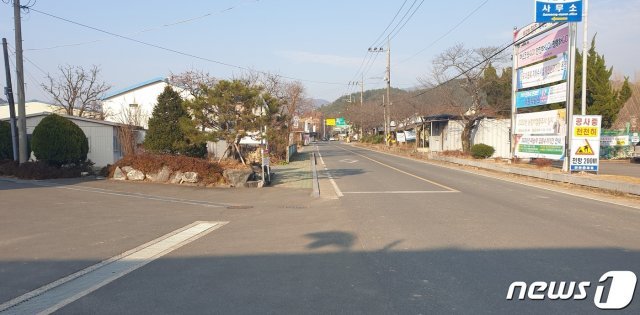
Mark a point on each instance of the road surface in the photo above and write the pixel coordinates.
(401, 237)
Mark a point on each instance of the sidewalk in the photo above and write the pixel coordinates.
(296, 174)
(619, 184)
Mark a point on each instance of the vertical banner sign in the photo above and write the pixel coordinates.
(551, 43)
(585, 142)
(558, 11)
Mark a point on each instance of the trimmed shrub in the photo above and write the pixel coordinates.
(58, 141)
(482, 151)
(6, 147)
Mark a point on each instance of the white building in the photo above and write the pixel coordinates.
(32, 108)
(104, 144)
(141, 97)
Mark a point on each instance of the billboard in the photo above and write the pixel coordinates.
(543, 96)
(551, 43)
(550, 71)
(330, 121)
(547, 122)
(548, 147)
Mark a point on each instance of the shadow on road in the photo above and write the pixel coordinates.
(447, 280)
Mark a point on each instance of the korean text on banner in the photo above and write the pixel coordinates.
(547, 122)
(550, 71)
(547, 147)
(548, 95)
(585, 143)
(532, 29)
(544, 46)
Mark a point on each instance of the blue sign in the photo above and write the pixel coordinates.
(552, 11)
(543, 96)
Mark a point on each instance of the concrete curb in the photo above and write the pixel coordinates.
(622, 187)
(315, 192)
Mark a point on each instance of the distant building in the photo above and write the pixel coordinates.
(32, 108)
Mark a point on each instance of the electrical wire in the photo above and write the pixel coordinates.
(487, 59)
(448, 32)
(184, 21)
(407, 21)
(177, 51)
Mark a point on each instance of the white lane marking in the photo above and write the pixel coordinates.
(134, 195)
(600, 199)
(402, 192)
(399, 170)
(331, 180)
(54, 296)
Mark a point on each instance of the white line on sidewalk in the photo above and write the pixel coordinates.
(54, 296)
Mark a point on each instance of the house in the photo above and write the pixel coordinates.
(104, 144)
(32, 108)
(141, 97)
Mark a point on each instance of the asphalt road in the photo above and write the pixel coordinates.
(405, 238)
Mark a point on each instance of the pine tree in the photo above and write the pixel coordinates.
(602, 98)
(164, 134)
(625, 92)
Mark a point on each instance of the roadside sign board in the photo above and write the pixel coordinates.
(558, 11)
(614, 141)
(585, 143)
(547, 147)
(330, 121)
(550, 71)
(546, 122)
(340, 121)
(543, 96)
(531, 30)
(551, 43)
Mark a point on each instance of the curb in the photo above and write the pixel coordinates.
(621, 187)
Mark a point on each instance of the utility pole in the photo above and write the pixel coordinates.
(9, 93)
(388, 122)
(22, 120)
(584, 57)
(362, 107)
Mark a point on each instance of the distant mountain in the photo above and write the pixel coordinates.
(318, 102)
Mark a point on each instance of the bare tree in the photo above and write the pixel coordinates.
(194, 82)
(464, 96)
(130, 119)
(78, 91)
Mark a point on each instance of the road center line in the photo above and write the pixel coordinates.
(401, 192)
(401, 171)
(54, 296)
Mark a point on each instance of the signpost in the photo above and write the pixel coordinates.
(585, 142)
(330, 121)
(558, 11)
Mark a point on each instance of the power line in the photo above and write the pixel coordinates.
(389, 25)
(184, 21)
(176, 51)
(449, 31)
(407, 21)
(486, 59)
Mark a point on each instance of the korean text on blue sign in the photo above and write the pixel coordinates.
(558, 11)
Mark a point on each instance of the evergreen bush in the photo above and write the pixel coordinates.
(482, 151)
(6, 147)
(57, 141)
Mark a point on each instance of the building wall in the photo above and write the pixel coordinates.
(493, 132)
(146, 97)
(32, 108)
(100, 136)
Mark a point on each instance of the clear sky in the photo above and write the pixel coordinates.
(322, 41)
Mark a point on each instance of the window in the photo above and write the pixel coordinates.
(133, 105)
